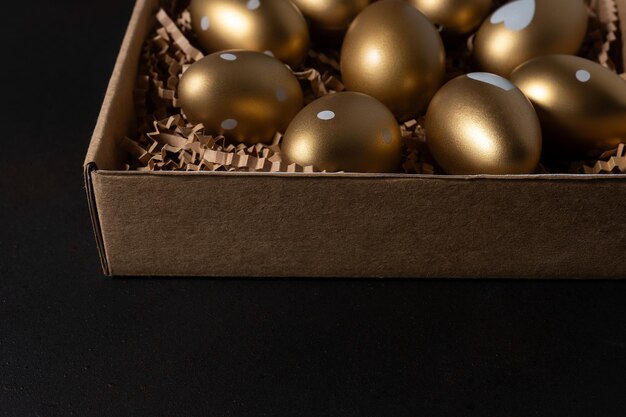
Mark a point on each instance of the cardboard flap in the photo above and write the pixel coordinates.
(117, 115)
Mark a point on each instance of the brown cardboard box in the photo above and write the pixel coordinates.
(341, 225)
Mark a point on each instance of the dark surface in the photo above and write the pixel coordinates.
(73, 342)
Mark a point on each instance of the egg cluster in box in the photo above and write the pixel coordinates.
(414, 86)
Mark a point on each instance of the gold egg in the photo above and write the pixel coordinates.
(455, 16)
(523, 29)
(581, 105)
(394, 54)
(480, 123)
(244, 95)
(331, 15)
(275, 27)
(344, 132)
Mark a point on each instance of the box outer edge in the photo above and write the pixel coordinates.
(95, 219)
(90, 165)
(112, 95)
(381, 176)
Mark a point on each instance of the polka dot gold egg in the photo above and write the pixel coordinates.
(344, 132)
(455, 16)
(246, 96)
(273, 26)
(581, 105)
(523, 29)
(480, 123)
(394, 54)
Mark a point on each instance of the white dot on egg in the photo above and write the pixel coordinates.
(269, 53)
(583, 76)
(387, 135)
(281, 94)
(493, 79)
(253, 4)
(326, 115)
(516, 15)
(228, 57)
(229, 124)
(205, 23)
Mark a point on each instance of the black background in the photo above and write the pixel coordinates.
(73, 342)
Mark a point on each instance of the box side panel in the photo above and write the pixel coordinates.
(290, 226)
(117, 115)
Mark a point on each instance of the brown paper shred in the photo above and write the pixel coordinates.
(613, 161)
(607, 15)
(320, 84)
(165, 56)
(133, 148)
(176, 145)
(178, 36)
(325, 59)
(416, 157)
(184, 21)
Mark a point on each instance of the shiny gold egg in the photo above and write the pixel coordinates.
(480, 123)
(455, 16)
(331, 15)
(275, 27)
(344, 132)
(581, 105)
(394, 54)
(244, 95)
(523, 29)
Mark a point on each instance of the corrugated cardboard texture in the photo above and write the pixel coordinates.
(352, 225)
(344, 225)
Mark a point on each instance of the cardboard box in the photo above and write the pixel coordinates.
(340, 225)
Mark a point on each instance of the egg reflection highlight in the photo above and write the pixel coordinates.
(581, 105)
(273, 26)
(244, 95)
(480, 123)
(344, 132)
(330, 17)
(394, 54)
(455, 16)
(523, 29)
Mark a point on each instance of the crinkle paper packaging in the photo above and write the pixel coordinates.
(166, 141)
